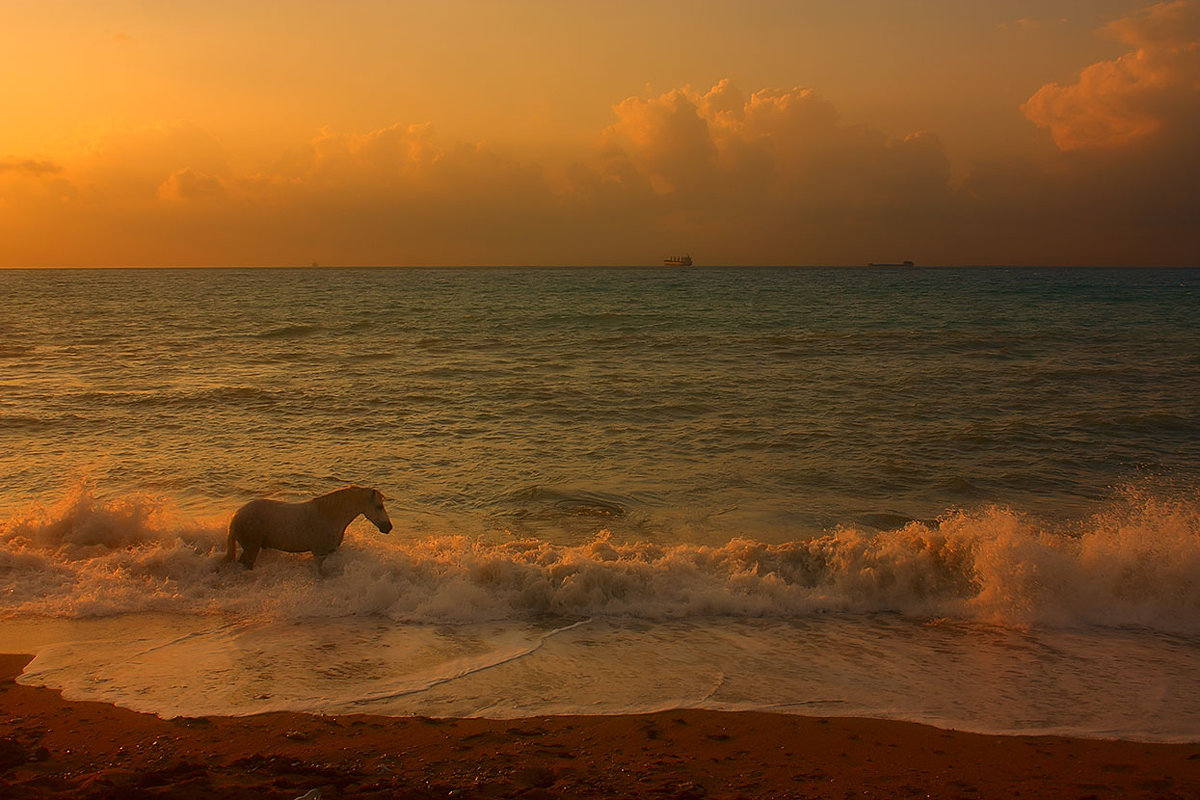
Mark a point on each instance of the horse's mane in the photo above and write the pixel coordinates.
(339, 491)
(326, 498)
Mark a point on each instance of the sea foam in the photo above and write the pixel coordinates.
(1136, 563)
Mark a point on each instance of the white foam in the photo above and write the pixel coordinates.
(1137, 563)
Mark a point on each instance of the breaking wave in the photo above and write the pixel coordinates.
(1137, 563)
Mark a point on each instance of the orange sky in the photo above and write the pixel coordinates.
(550, 132)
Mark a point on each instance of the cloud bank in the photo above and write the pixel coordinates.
(766, 177)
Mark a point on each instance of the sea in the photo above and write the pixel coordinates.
(967, 497)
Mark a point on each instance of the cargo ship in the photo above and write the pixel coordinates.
(677, 261)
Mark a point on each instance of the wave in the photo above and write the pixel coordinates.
(1137, 563)
(538, 500)
(296, 331)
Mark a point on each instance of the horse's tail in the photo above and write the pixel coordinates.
(230, 544)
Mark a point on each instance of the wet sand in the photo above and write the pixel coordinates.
(50, 747)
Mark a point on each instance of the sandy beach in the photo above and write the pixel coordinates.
(50, 747)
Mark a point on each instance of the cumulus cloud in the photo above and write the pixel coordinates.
(1122, 185)
(739, 175)
(398, 195)
(167, 195)
(779, 142)
(1154, 88)
(141, 159)
(187, 184)
(769, 176)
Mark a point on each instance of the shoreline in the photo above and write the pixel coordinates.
(51, 747)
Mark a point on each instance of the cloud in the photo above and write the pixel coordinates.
(1122, 183)
(188, 184)
(775, 141)
(399, 195)
(28, 166)
(382, 157)
(769, 176)
(168, 195)
(740, 175)
(1153, 89)
(149, 155)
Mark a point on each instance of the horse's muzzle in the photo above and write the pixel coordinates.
(387, 528)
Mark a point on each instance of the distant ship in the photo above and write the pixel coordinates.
(677, 261)
(899, 264)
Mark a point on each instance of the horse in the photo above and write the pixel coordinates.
(316, 526)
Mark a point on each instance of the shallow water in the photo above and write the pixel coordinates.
(827, 491)
(1118, 684)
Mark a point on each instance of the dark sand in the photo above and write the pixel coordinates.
(50, 747)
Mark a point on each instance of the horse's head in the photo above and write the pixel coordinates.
(373, 510)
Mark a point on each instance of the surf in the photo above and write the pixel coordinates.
(1131, 563)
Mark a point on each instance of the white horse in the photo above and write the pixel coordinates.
(316, 525)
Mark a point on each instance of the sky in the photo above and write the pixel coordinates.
(589, 132)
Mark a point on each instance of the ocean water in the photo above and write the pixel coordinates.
(969, 497)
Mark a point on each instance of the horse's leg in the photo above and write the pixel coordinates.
(230, 544)
(249, 554)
